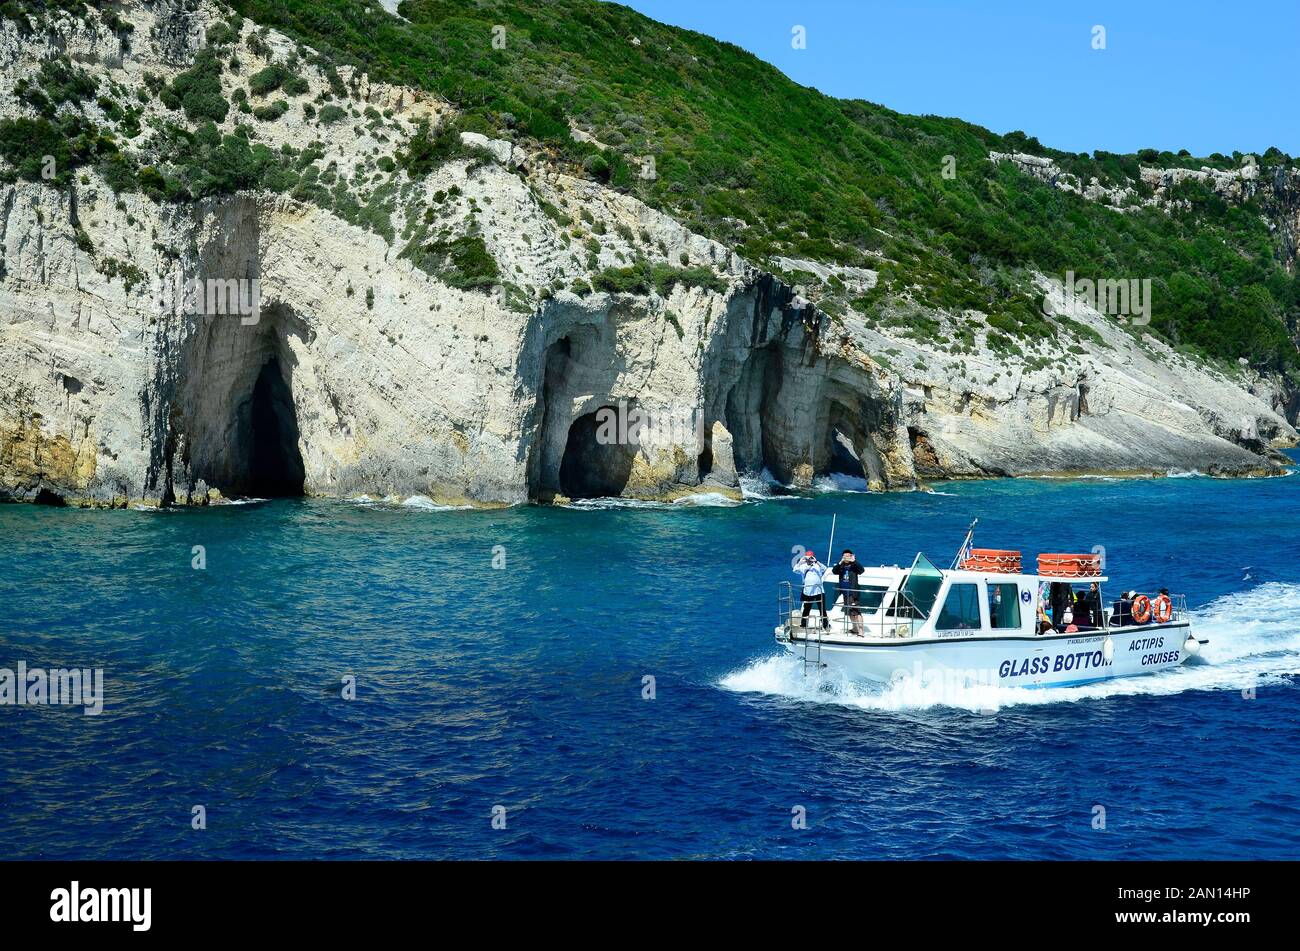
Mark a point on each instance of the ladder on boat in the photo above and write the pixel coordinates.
(792, 621)
(812, 661)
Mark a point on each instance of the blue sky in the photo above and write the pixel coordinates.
(1208, 77)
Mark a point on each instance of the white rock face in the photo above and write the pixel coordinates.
(1128, 404)
(364, 374)
(500, 150)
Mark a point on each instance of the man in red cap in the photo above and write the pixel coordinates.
(812, 572)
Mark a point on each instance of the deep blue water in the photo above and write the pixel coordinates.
(523, 687)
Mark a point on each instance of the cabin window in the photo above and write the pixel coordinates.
(1004, 606)
(961, 609)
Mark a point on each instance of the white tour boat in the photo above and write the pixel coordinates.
(979, 622)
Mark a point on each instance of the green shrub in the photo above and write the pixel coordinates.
(70, 142)
(271, 111)
(554, 213)
(267, 80)
(198, 90)
(205, 162)
(219, 34)
(424, 150)
(116, 24)
(675, 323)
(128, 272)
(64, 83)
(464, 262)
(331, 114)
(276, 76)
(119, 171)
(56, 83)
(643, 277)
(151, 180)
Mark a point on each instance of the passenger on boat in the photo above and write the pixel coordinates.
(1082, 612)
(1122, 613)
(848, 570)
(1044, 625)
(812, 572)
(1093, 597)
(1061, 599)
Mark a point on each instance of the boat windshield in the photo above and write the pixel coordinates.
(922, 585)
(870, 596)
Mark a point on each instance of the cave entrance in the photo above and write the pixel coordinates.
(749, 409)
(234, 425)
(594, 464)
(848, 455)
(275, 468)
(543, 481)
(841, 456)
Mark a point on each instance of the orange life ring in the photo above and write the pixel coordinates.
(1141, 609)
(1163, 610)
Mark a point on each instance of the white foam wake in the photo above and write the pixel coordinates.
(708, 500)
(702, 499)
(759, 487)
(1254, 644)
(429, 505)
(612, 502)
(421, 502)
(840, 482)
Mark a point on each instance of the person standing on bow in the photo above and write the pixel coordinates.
(812, 573)
(848, 571)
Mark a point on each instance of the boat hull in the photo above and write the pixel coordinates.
(1047, 661)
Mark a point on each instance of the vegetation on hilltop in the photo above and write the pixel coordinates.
(745, 155)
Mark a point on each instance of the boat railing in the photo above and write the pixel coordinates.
(1178, 612)
(896, 616)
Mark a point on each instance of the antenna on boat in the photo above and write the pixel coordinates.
(831, 544)
(964, 550)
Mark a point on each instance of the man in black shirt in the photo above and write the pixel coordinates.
(848, 570)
